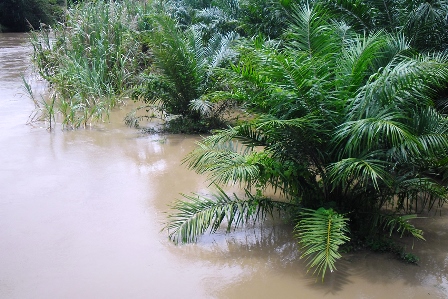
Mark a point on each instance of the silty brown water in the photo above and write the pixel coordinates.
(81, 213)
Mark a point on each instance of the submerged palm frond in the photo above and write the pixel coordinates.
(401, 225)
(321, 232)
(199, 214)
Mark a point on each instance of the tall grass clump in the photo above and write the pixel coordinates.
(89, 61)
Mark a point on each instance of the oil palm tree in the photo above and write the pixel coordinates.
(345, 125)
(423, 22)
(184, 70)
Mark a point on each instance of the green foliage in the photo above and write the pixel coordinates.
(422, 22)
(230, 162)
(382, 244)
(266, 17)
(341, 120)
(347, 106)
(185, 73)
(89, 60)
(321, 232)
(247, 17)
(199, 214)
(24, 15)
(401, 225)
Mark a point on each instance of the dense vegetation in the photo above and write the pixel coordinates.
(23, 15)
(90, 62)
(346, 104)
(349, 128)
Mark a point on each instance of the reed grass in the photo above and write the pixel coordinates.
(89, 59)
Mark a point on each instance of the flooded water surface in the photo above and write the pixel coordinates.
(81, 214)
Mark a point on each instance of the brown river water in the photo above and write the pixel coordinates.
(81, 214)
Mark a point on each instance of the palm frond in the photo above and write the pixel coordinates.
(364, 55)
(221, 49)
(431, 132)
(215, 19)
(226, 163)
(385, 127)
(402, 81)
(310, 30)
(198, 214)
(365, 172)
(401, 225)
(320, 233)
(426, 24)
(356, 12)
(204, 107)
(386, 13)
(246, 133)
(271, 124)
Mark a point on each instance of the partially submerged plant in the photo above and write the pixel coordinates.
(89, 59)
(184, 73)
(345, 127)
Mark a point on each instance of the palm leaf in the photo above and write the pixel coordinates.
(426, 24)
(226, 163)
(246, 133)
(198, 214)
(310, 30)
(432, 131)
(320, 233)
(385, 127)
(202, 106)
(364, 171)
(356, 12)
(401, 225)
(402, 81)
(364, 55)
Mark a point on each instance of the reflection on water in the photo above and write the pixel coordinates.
(81, 214)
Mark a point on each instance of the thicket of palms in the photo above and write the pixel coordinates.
(346, 125)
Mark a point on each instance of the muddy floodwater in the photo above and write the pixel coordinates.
(81, 214)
